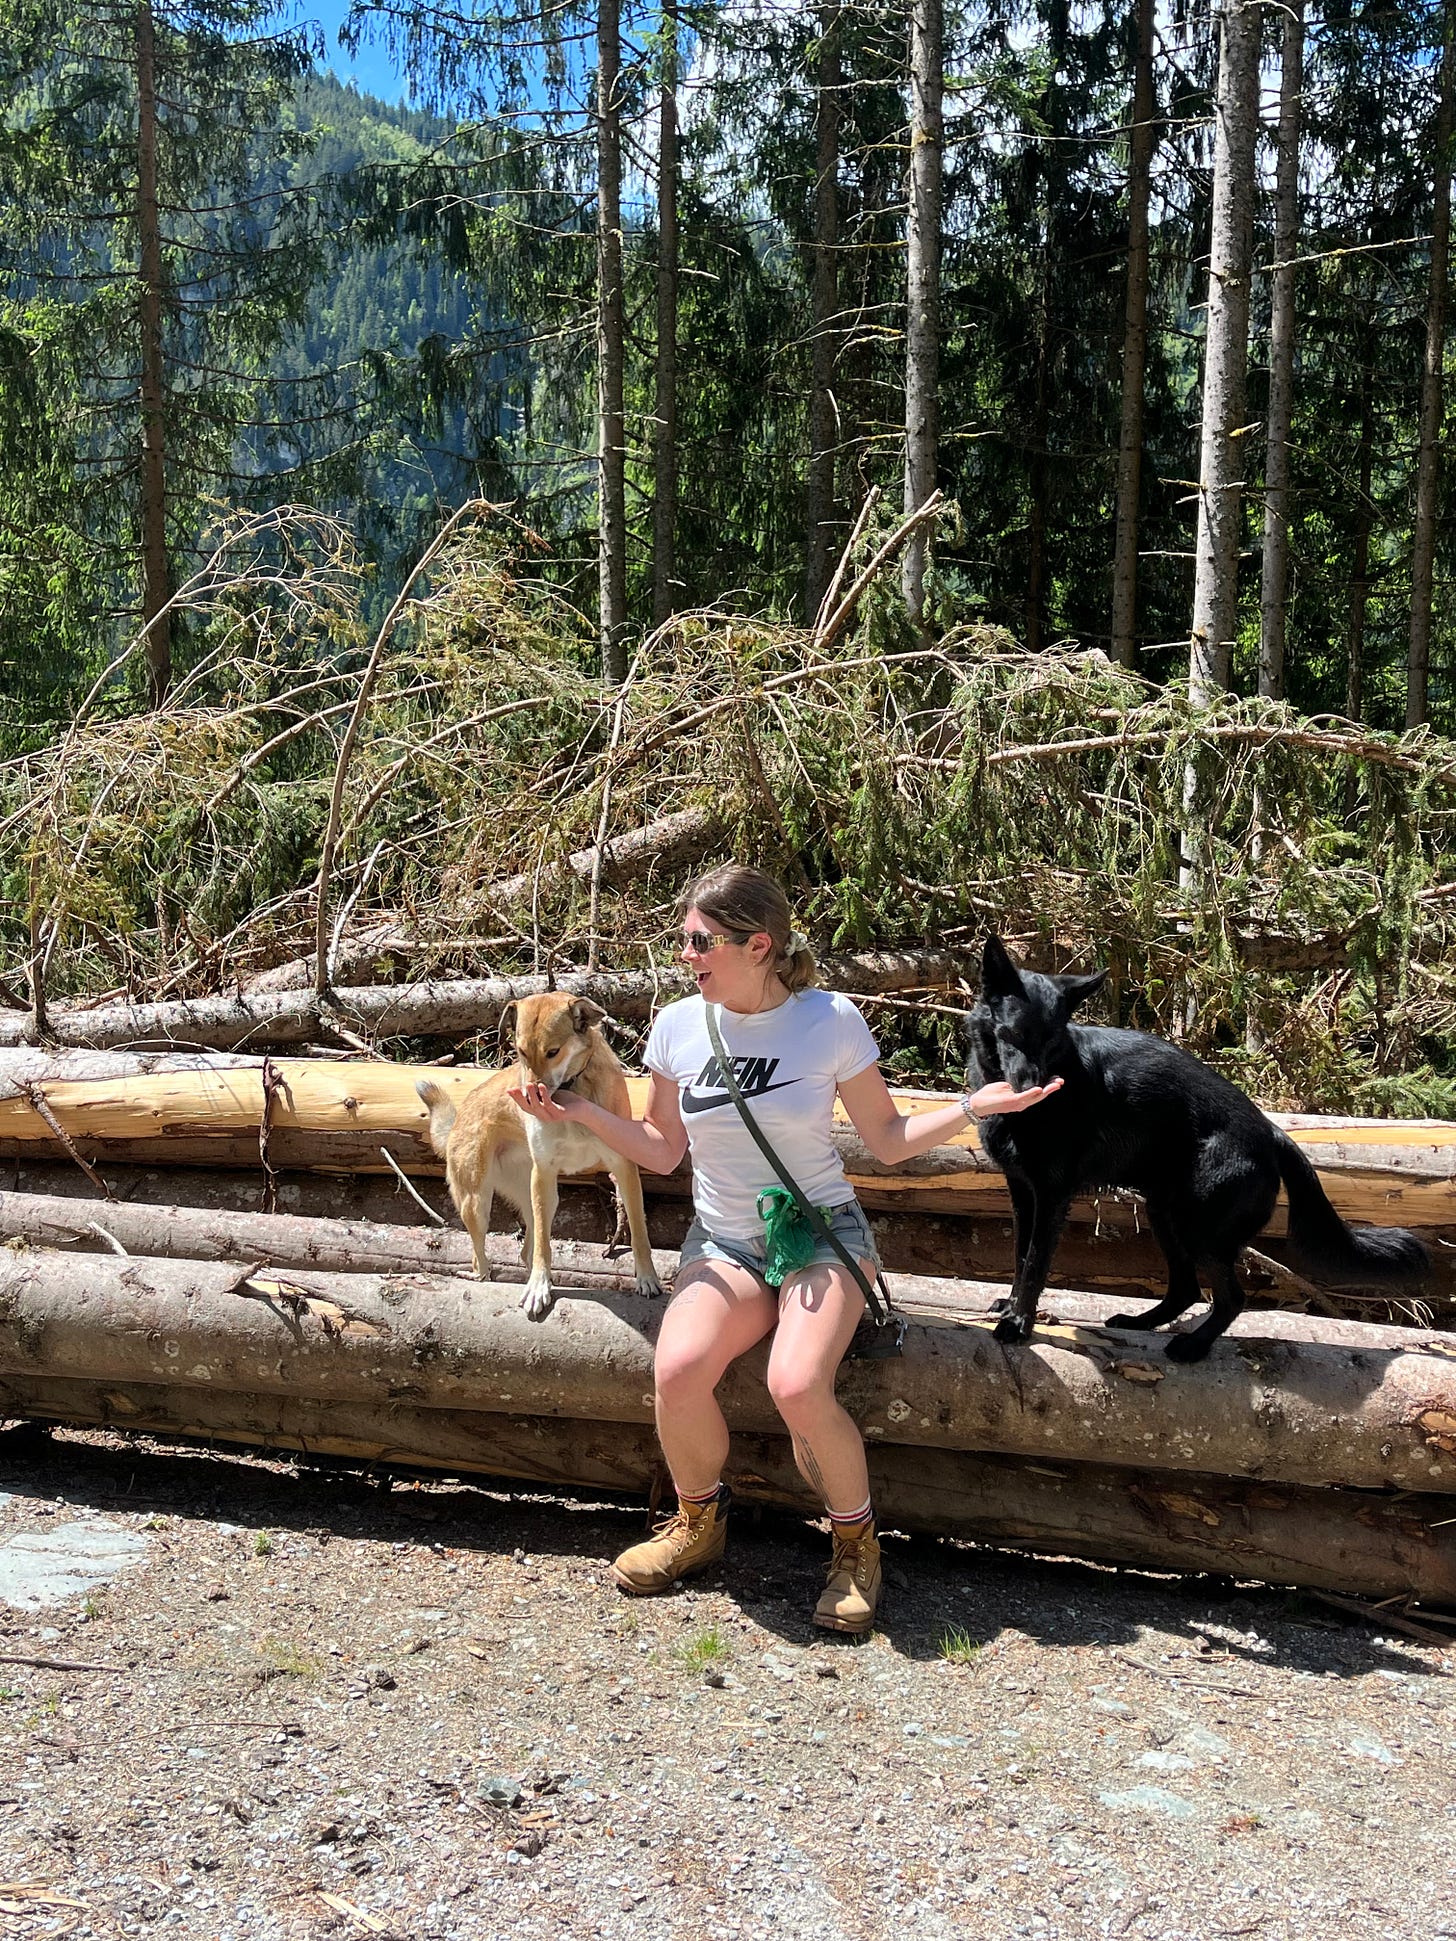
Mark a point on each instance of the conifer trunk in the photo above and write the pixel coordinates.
(664, 431)
(1134, 345)
(1049, 173)
(1274, 582)
(922, 323)
(156, 590)
(823, 414)
(1423, 549)
(611, 356)
(1033, 625)
(1364, 521)
(1226, 349)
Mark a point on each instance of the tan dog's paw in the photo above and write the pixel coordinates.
(539, 1297)
(650, 1287)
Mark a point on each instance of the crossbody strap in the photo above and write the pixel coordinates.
(878, 1302)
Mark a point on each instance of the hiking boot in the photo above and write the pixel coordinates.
(853, 1587)
(682, 1544)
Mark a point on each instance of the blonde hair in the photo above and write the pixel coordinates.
(746, 901)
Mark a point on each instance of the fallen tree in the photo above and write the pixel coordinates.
(222, 1221)
(1112, 1254)
(287, 1240)
(443, 1008)
(1281, 1399)
(1349, 1541)
(670, 842)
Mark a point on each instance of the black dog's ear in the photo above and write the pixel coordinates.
(999, 976)
(1077, 990)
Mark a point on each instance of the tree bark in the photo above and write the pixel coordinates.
(447, 1008)
(922, 308)
(664, 430)
(1274, 579)
(611, 352)
(354, 1227)
(1281, 1399)
(1226, 351)
(1428, 457)
(823, 411)
(440, 1008)
(1346, 1541)
(289, 1240)
(151, 296)
(671, 841)
(1142, 139)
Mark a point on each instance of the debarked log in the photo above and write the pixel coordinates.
(1365, 1543)
(1281, 1398)
(322, 1113)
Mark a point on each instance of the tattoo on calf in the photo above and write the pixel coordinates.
(808, 1464)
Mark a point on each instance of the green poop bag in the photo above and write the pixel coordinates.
(790, 1240)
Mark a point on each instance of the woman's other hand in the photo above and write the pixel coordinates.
(992, 1100)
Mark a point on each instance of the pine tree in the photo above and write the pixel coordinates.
(134, 243)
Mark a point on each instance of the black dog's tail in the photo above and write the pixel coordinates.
(1331, 1252)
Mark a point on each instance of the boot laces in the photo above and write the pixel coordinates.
(677, 1529)
(848, 1557)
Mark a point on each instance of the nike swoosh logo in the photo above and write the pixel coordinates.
(690, 1102)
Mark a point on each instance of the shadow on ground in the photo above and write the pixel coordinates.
(942, 1597)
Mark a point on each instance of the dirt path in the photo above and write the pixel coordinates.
(347, 1709)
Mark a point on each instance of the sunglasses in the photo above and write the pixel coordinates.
(701, 942)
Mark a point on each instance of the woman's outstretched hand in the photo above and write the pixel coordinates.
(539, 1102)
(992, 1100)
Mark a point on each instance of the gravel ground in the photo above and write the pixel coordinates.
(346, 1707)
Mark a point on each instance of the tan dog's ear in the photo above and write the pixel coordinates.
(506, 1024)
(584, 1014)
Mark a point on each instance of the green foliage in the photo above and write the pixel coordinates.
(702, 1648)
(906, 796)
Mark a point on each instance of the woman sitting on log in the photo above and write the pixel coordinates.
(753, 1263)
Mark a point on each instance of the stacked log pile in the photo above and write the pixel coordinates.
(1306, 1450)
(945, 1212)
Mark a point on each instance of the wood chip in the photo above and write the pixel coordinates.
(369, 1922)
(19, 1896)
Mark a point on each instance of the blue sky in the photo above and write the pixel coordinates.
(372, 69)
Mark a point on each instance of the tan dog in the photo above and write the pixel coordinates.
(490, 1146)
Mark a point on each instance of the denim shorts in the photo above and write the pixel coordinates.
(847, 1223)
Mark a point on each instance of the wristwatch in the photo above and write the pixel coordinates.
(970, 1111)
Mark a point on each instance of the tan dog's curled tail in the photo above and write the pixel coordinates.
(442, 1113)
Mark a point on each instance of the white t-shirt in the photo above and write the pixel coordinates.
(788, 1063)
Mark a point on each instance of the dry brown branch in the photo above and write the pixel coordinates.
(471, 508)
(40, 1105)
(831, 592)
(1253, 732)
(826, 635)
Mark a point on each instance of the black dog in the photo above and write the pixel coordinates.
(1134, 1111)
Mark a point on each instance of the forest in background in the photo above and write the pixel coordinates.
(704, 303)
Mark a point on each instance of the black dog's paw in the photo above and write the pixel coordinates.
(1014, 1328)
(999, 1306)
(1187, 1347)
(1136, 1322)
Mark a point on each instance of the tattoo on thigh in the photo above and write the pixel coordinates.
(809, 1464)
